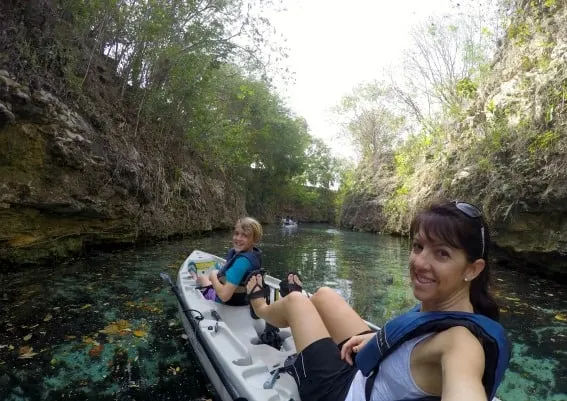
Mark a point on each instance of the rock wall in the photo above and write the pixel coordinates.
(67, 183)
(509, 154)
(527, 91)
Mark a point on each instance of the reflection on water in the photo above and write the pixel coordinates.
(106, 328)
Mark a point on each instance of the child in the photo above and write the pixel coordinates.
(227, 285)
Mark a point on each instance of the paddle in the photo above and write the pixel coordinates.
(232, 391)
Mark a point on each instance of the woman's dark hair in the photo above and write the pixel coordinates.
(449, 224)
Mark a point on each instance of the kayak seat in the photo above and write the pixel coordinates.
(285, 339)
(264, 354)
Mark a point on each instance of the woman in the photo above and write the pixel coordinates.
(227, 284)
(447, 358)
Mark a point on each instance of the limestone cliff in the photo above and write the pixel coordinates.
(66, 183)
(526, 96)
(506, 152)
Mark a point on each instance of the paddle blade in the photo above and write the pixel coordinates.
(166, 278)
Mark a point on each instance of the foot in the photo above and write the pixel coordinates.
(255, 293)
(255, 286)
(294, 282)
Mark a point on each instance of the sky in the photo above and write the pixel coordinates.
(334, 45)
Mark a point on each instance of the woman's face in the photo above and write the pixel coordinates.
(437, 270)
(242, 241)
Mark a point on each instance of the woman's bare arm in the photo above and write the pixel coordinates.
(462, 366)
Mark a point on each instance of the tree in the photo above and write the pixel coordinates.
(322, 169)
(448, 53)
(368, 118)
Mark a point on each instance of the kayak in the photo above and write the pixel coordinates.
(289, 225)
(230, 345)
(227, 340)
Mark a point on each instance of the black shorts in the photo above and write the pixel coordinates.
(321, 374)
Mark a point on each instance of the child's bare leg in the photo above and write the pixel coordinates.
(339, 318)
(294, 311)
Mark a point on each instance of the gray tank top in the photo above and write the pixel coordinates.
(394, 380)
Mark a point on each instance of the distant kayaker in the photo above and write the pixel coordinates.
(227, 284)
(449, 346)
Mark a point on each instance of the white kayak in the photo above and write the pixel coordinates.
(227, 341)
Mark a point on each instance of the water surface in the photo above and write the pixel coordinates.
(106, 327)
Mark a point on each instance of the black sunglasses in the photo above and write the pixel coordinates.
(473, 212)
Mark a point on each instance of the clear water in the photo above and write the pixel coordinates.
(106, 328)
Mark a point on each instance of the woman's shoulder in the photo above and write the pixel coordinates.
(454, 341)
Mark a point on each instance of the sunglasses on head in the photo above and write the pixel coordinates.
(473, 212)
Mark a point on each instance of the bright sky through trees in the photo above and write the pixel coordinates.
(333, 45)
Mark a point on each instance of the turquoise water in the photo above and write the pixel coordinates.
(106, 328)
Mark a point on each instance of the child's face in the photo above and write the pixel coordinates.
(242, 240)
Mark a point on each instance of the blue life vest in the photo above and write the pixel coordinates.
(254, 257)
(412, 324)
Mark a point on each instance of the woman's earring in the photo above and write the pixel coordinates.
(466, 279)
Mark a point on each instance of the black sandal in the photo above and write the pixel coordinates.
(287, 287)
(261, 293)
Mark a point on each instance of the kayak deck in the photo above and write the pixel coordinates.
(234, 338)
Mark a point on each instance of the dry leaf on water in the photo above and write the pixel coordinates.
(26, 352)
(95, 351)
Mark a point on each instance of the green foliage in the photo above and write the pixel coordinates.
(466, 88)
(368, 119)
(543, 142)
(550, 3)
(189, 77)
(519, 32)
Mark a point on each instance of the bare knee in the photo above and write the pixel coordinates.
(296, 298)
(323, 293)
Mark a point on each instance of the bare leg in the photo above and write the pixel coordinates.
(339, 318)
(203, 281)
(294, 311)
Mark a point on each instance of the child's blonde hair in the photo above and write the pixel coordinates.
(250, 226)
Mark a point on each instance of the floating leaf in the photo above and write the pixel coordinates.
(27, 355)
(70, 337)
(25, 349)
(95, 351)
(10, 347)
(111, 329)
(86, 306)
(562, 317)
(123, 324)
(48, 317)
(28, 337)
(139, 333)
(512, 299)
